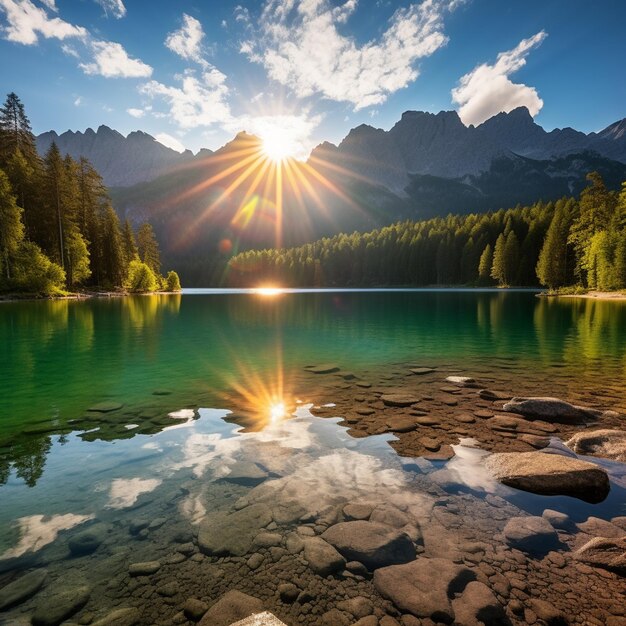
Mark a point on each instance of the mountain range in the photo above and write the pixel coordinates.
(425, 165)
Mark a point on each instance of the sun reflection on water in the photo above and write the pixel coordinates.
(268, 291)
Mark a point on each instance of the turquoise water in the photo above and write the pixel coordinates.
(60, 357)
(203, 382)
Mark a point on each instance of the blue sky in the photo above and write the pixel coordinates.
(195, 72)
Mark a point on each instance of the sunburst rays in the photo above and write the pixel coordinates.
(259, 184)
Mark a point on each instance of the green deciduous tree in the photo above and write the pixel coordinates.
(172, 282)
(141, 278)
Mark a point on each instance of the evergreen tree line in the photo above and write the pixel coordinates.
(570, 242)
(58, 230)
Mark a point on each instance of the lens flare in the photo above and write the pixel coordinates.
(277, 412)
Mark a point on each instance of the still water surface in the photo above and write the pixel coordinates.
(202, 384)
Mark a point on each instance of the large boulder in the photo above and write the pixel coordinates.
(478, 605)
(231, 607)
(607, 553)
(552, 409)
(610, 444)
(232, 533)
(21, 589)
(371, 543)
(425, 587)
(322, 557)
(549, 474)
(56, 608)
(531, 534)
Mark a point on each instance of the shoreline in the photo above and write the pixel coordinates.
(590, 295)
(81, 295)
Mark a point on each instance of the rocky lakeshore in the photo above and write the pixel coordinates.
(429, 495)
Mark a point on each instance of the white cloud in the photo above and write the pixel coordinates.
(50, 4)
(115, 7)
(25, 22)
(170, 142)
(112, 61)
(199, 101)
(299, 44)
(186, 42)
(487, 89)
(70, 51)
(78, 101)
(135, 112)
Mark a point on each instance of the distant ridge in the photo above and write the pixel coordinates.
(441, 145)
(122, 161)
(420, 143)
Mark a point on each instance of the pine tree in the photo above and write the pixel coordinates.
(149, 248)
(484, 265)
(15, 131)
(512, 261)
(552, 263)
(595, 207)
(11, 229)
(54, 243)
(129, 245)
(114, 266)
(498, 267)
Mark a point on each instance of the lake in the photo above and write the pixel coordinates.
(192, 437)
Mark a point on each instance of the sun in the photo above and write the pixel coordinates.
(278, 145)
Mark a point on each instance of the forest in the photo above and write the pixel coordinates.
(59, 232)
(573, 242)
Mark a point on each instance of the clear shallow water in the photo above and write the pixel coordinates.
(168, 455)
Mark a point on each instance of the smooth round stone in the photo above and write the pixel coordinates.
(21, 589)
(146, 568)
(399, 399)
(421, 371)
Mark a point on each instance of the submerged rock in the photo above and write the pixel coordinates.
(371, 543)
(549, 474)
(607, 553)
(478, 605)
(610, 444)
(461, 381)
(21, 589)
(326, 368)
(232, 533)
(421, 371)
(232, 607)
(194, 609)
(146, 568)
(87, 541)
(246, 473)
(531, 534)
(399, 399)
(322, 557)
(105, 407)
(425, 587)
(550, 409)
(56, 608)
